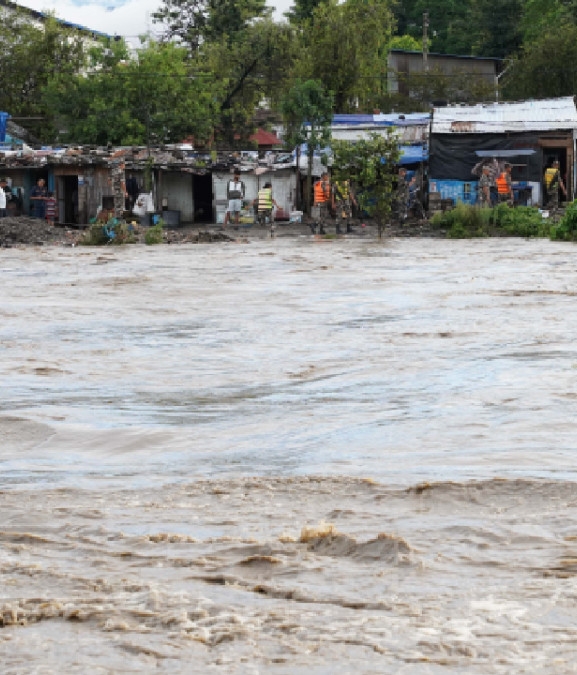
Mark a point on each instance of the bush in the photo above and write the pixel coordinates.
(115, 232)
(566, 229)
(466, 221)
(463, 222)
(154, 234)
(94, 236)
(519, 221)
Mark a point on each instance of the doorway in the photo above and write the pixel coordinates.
(202, 198)
(67, 200)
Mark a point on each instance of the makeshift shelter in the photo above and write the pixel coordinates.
(528, 134)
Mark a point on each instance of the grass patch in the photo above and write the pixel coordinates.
(466, 221)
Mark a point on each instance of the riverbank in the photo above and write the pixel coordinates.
(26, 231)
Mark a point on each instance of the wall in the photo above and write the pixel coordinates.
(176, 189)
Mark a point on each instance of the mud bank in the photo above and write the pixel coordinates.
(26, 231)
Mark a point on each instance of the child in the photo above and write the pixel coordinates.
(50, 208)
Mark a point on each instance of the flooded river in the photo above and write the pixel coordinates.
(289, 457)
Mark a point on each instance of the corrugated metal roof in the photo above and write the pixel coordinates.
(543, 115)
(380, 119)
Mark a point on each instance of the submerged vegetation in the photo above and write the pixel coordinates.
(466, 221)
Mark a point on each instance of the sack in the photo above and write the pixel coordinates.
(144, 204)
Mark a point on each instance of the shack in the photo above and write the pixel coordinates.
(529, 135)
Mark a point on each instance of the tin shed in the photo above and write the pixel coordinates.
(527, 134)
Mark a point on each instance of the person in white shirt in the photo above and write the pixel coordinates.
(2, 198)
(235, 195)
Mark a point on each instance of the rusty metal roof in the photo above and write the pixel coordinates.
(541, 115)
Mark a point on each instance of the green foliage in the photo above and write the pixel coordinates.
(469, 27)
(466, 221)
(547, 65)
(30, 54)
(566, 229)
(540, 16)
(308, 112)
(371, 167)
(94, 236)
(152, 98)
(345, 46)
(249, 71)
(520, 221)
(114, 232)
(154, 235)
(195, 22)
(302, 10)
(406, 42)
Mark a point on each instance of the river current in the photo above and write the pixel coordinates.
(289, 456)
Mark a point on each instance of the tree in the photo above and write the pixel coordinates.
(194, 22)
(252, 71)
(29, 57)
(545, 67)
(539, 16)
(371, 166)
(302, 10)
(308, 113)
(156, 97)
(346, 46)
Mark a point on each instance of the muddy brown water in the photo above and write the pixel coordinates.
(289, 456)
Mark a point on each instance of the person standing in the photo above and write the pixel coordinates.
(235, 190)
(264, 204)
(485, 188)
(344, 199)
(3, 198)
(504, 187)
(553, 183)
(323, 201)
(401, 201)
(50, 207)
(38, 196)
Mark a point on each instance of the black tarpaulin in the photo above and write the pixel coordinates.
(453, 156)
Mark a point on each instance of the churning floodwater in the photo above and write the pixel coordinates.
(289, 456)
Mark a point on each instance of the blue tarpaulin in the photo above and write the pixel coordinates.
(3, 119)
(413, 154)
(410, 154)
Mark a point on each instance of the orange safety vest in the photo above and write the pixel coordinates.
(321, 195)
(503, 186)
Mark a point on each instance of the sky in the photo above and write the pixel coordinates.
(129, 18)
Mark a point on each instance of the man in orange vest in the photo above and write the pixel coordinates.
(324, 201)
(504, 188)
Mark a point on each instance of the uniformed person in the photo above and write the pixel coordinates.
(344, 199)
(323, 201)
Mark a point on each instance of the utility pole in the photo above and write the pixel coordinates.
(425, 41)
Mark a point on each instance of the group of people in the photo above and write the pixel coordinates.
(495, 185)
(235, 194)
(43, 203)
(333, 197)
(494, 180)
(406, 196)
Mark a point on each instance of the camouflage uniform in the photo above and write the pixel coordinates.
(343, 205)
(484, 182)
(402, 198)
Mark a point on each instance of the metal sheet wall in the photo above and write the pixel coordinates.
(176, 190)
